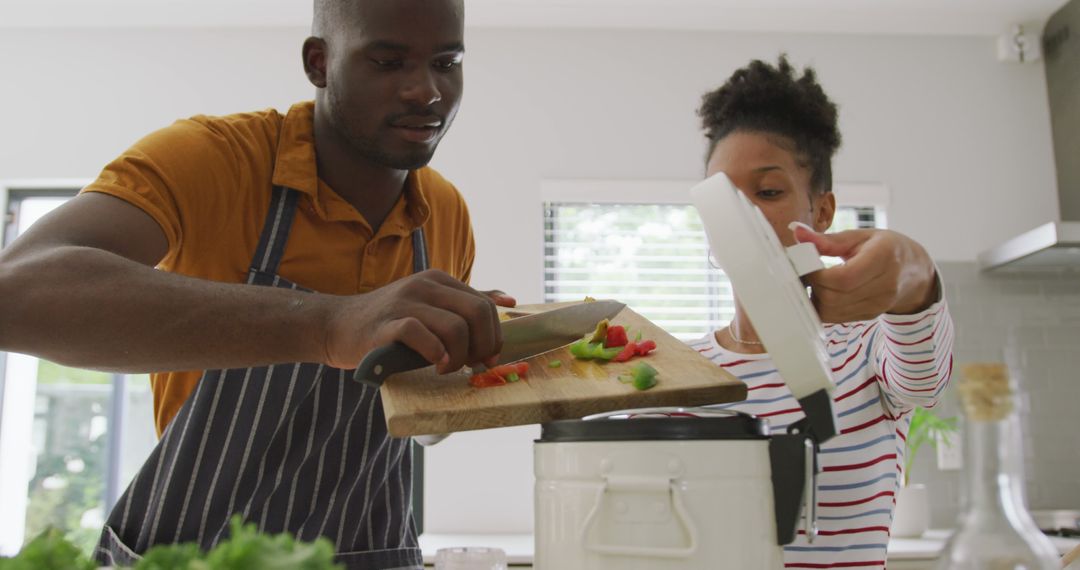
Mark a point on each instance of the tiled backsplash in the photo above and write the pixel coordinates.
(1033, 321)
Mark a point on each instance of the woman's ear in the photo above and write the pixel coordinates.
(824, 209)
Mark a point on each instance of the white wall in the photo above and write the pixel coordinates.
(963, 142)
(955, 135)
(960, 139)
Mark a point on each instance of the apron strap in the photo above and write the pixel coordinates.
(420, 257)
(275, 232)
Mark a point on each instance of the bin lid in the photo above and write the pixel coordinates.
(657, 424)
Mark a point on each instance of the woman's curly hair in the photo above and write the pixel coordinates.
(771, 99)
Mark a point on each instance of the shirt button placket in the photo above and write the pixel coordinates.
(367, 257)
(360, 269)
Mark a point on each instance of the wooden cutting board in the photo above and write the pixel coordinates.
(422, 402)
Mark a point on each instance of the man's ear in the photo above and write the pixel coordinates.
(315, 55)
(824, 210)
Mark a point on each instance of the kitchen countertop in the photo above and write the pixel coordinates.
(519, 547)
(930, 544)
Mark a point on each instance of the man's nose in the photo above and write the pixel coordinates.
(421, 90)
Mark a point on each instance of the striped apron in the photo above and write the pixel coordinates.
(291, 447)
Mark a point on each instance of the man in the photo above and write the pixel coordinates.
(774, 134)
(287, 248)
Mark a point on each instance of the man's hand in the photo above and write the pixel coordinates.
(883, 272)
(441, 318)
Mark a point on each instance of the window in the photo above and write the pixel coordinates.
(653, 255)
(70, 439)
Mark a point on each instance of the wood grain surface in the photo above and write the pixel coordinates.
(423, 402)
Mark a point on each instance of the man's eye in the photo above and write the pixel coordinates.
(387, 63)
(447, 64)
(770, 193)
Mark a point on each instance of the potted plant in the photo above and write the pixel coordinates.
(912, 515)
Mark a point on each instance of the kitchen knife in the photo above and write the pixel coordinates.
(523, 337)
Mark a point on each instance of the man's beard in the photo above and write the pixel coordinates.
(369, 148)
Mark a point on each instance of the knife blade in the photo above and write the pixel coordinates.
(523, 337)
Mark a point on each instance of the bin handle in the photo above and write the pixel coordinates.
(639, 484)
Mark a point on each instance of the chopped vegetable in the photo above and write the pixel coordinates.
(643, 376)
(580, 349)
(633, 349)
(629, 351)
(593, 351)
(486, 380)
(600, 334)
(611, 342)
(616, 336)
(555, 364)
(606, 354)
(499, 375)
(518, 367)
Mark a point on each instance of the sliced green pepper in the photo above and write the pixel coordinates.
(555, 364)
(593, 350)
(580, 349)
(512, 377)
(605, 354)
(644, 376)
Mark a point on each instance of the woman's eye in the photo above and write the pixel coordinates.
(769, 193)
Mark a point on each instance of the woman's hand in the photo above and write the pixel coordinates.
(883, 272)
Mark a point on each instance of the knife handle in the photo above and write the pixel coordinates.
(380, 363)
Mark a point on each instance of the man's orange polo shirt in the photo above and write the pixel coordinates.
(207, 182)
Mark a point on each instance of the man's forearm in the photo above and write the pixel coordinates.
(90, 308)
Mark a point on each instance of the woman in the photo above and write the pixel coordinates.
(889, 333)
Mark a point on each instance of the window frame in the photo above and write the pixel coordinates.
(12, 194)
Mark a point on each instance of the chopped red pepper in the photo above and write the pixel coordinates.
(627, 353)
(616, 336)
(486, 380)
(499, 375)
(633, 349)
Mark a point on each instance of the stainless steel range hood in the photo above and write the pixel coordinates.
(1055, 245)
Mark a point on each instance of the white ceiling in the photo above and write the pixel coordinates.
(950, 17)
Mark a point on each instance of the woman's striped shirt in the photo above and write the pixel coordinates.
(882, 368)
